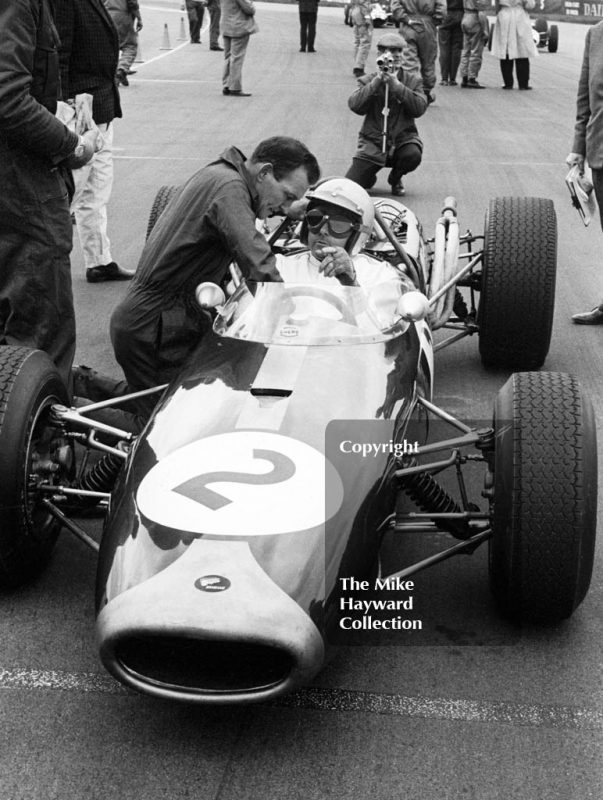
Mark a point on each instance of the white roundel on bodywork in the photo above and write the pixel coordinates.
(244, 483)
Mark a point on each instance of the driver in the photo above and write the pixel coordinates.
(338, 222)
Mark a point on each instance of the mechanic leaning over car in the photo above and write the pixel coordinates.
(210, 222)
(37, 153)
(588, 134)
(391, 140)
(418, 21)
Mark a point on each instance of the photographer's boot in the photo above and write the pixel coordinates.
(473, 84)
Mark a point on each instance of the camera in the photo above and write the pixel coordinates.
(385, 62)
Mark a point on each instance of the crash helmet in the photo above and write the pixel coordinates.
(394, 43)
(344, 194)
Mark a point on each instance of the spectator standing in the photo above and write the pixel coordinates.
(475, 36)
(308, 12)
(89, 54)
(360, 15)
(390, 139)
(418, 21)
(237, 25)
(128, 22)
(215, 12)
(195, 10)
(36, 301)
(450, 37)
(588, 133)
(512, 41)
(208, 223)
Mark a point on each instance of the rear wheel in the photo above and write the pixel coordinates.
(553, 39)
(515, 314)
(545, 497)
(162, 198)
(34, 453)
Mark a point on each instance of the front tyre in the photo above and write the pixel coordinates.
(545, 497)
(517, 295)
(32, 453)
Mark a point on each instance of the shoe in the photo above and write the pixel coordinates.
(131, 72)
(217, 47)
(508, 87)
(226, 90)
(452, 83)
(195, 41)
(108, 272)
(398, 189)
(525, 88)
(431, 96)
(121, 78)
(358, 72)
(594, 317)
(444, 83)
(311, 50)
(302, 49)
(238, 93)
(473, 84)
(464, 81)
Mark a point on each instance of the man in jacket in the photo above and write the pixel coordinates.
(36, 302)
(475, 36)
(89, 53)
(128, 22)
(210, 222)
(308, 12)
(588, 133)
(418, 21)
(237, 25)
(390, 140)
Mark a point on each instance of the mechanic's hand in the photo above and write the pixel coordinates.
(575, 160)
(138, 21)
(337, 263)
(89, 140)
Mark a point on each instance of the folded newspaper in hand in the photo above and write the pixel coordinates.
(581, 191)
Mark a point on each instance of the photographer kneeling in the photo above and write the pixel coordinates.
(390, 139)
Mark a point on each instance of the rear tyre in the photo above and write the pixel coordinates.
(33, 452)
(545, 497)
(162, 198)
(516, 307)
(553, 43)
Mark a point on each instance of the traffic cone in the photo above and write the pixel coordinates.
(139, 59)
(166, 39)
(183, 37)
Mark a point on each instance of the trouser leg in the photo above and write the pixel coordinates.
(522, 67)
(506, 68)
(215, 12)
(236, 55)
(456, 49)
(406, 159)
(93, 184)
(303, 30)
(311, 29)
(598, 186)
(363, 35)
(128, 40)
(363, 172)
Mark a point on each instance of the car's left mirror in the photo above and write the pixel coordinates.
(209, 295)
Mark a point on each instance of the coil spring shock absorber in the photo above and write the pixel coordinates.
(100, 478)
(426, 492)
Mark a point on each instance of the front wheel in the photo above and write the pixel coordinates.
(545, 497)
(517, 300)
(33, 453)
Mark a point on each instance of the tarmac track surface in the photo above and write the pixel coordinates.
(470, 708)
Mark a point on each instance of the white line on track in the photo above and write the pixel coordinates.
(530, 715)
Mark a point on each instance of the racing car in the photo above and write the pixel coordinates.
(246, 503)
(380, 15)
(545, 35)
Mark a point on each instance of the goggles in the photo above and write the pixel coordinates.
(339, 227)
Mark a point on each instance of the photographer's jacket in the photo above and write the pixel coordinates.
(406, 102)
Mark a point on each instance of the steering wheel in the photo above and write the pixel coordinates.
(322, 294)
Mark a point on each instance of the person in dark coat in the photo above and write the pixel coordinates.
(89, 55)
(210, 222)
(36, 153)
(400, 148)
(450, 38)
(308, 12)
(195, 10)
